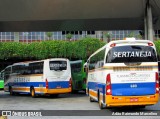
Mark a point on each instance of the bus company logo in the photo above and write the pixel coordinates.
(133, 85)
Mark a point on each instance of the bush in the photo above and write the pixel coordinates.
(80, 49)
(157, 44)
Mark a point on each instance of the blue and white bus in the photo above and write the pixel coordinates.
(50, 76)
(124, 73)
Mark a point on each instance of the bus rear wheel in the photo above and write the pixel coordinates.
(11, 91)
(100, 103)
(32, 91)
(90, 98)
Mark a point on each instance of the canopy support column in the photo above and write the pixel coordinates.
(148, 23)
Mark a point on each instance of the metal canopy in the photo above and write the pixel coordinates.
(58, 15)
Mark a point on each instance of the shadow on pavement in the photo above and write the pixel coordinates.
(128, 109)
(67, 95)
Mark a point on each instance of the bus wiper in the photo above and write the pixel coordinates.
(136, 47)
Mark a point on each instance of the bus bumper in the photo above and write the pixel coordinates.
(115, 101)
(57, 91)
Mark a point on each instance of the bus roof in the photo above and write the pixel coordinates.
(128, 41)
(25, 62)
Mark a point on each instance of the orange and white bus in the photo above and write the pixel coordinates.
(50, 76)
(124, 73)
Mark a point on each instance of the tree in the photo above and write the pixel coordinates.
(132, 34)
(49, 35)
(69, 36)
(108, 36)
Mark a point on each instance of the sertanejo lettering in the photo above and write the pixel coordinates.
(133, 54)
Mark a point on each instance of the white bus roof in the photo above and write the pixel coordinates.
(26, 62)
(128, 41)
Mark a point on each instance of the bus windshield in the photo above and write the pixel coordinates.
(125, 54)
(76, 67)
(58, 65)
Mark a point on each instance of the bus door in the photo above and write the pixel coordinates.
(134, 70)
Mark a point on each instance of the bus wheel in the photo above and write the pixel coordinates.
(32, 91)
(11, 91)
(91, 99)
(100, 103)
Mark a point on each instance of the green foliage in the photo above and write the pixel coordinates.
(10, 49)
(87, 46)
(157, 44)
(80, 49)
(49, 35)
(69, 36)
(133, 34)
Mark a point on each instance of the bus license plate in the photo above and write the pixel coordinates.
(134, 99)
(58, 87)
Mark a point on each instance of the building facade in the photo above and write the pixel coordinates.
(28, 37)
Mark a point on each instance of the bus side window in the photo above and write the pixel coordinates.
(36, 68)
(41, 68)
(97, 61)
(7, 73)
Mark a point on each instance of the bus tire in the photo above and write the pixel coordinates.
(90, 98)
(11, 91)
(32, 91)
(99, 102)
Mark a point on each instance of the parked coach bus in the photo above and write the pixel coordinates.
(78, 76)
(1, 80)
(124, 73)
(50, 76)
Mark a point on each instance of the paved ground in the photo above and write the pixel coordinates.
(63, 102)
